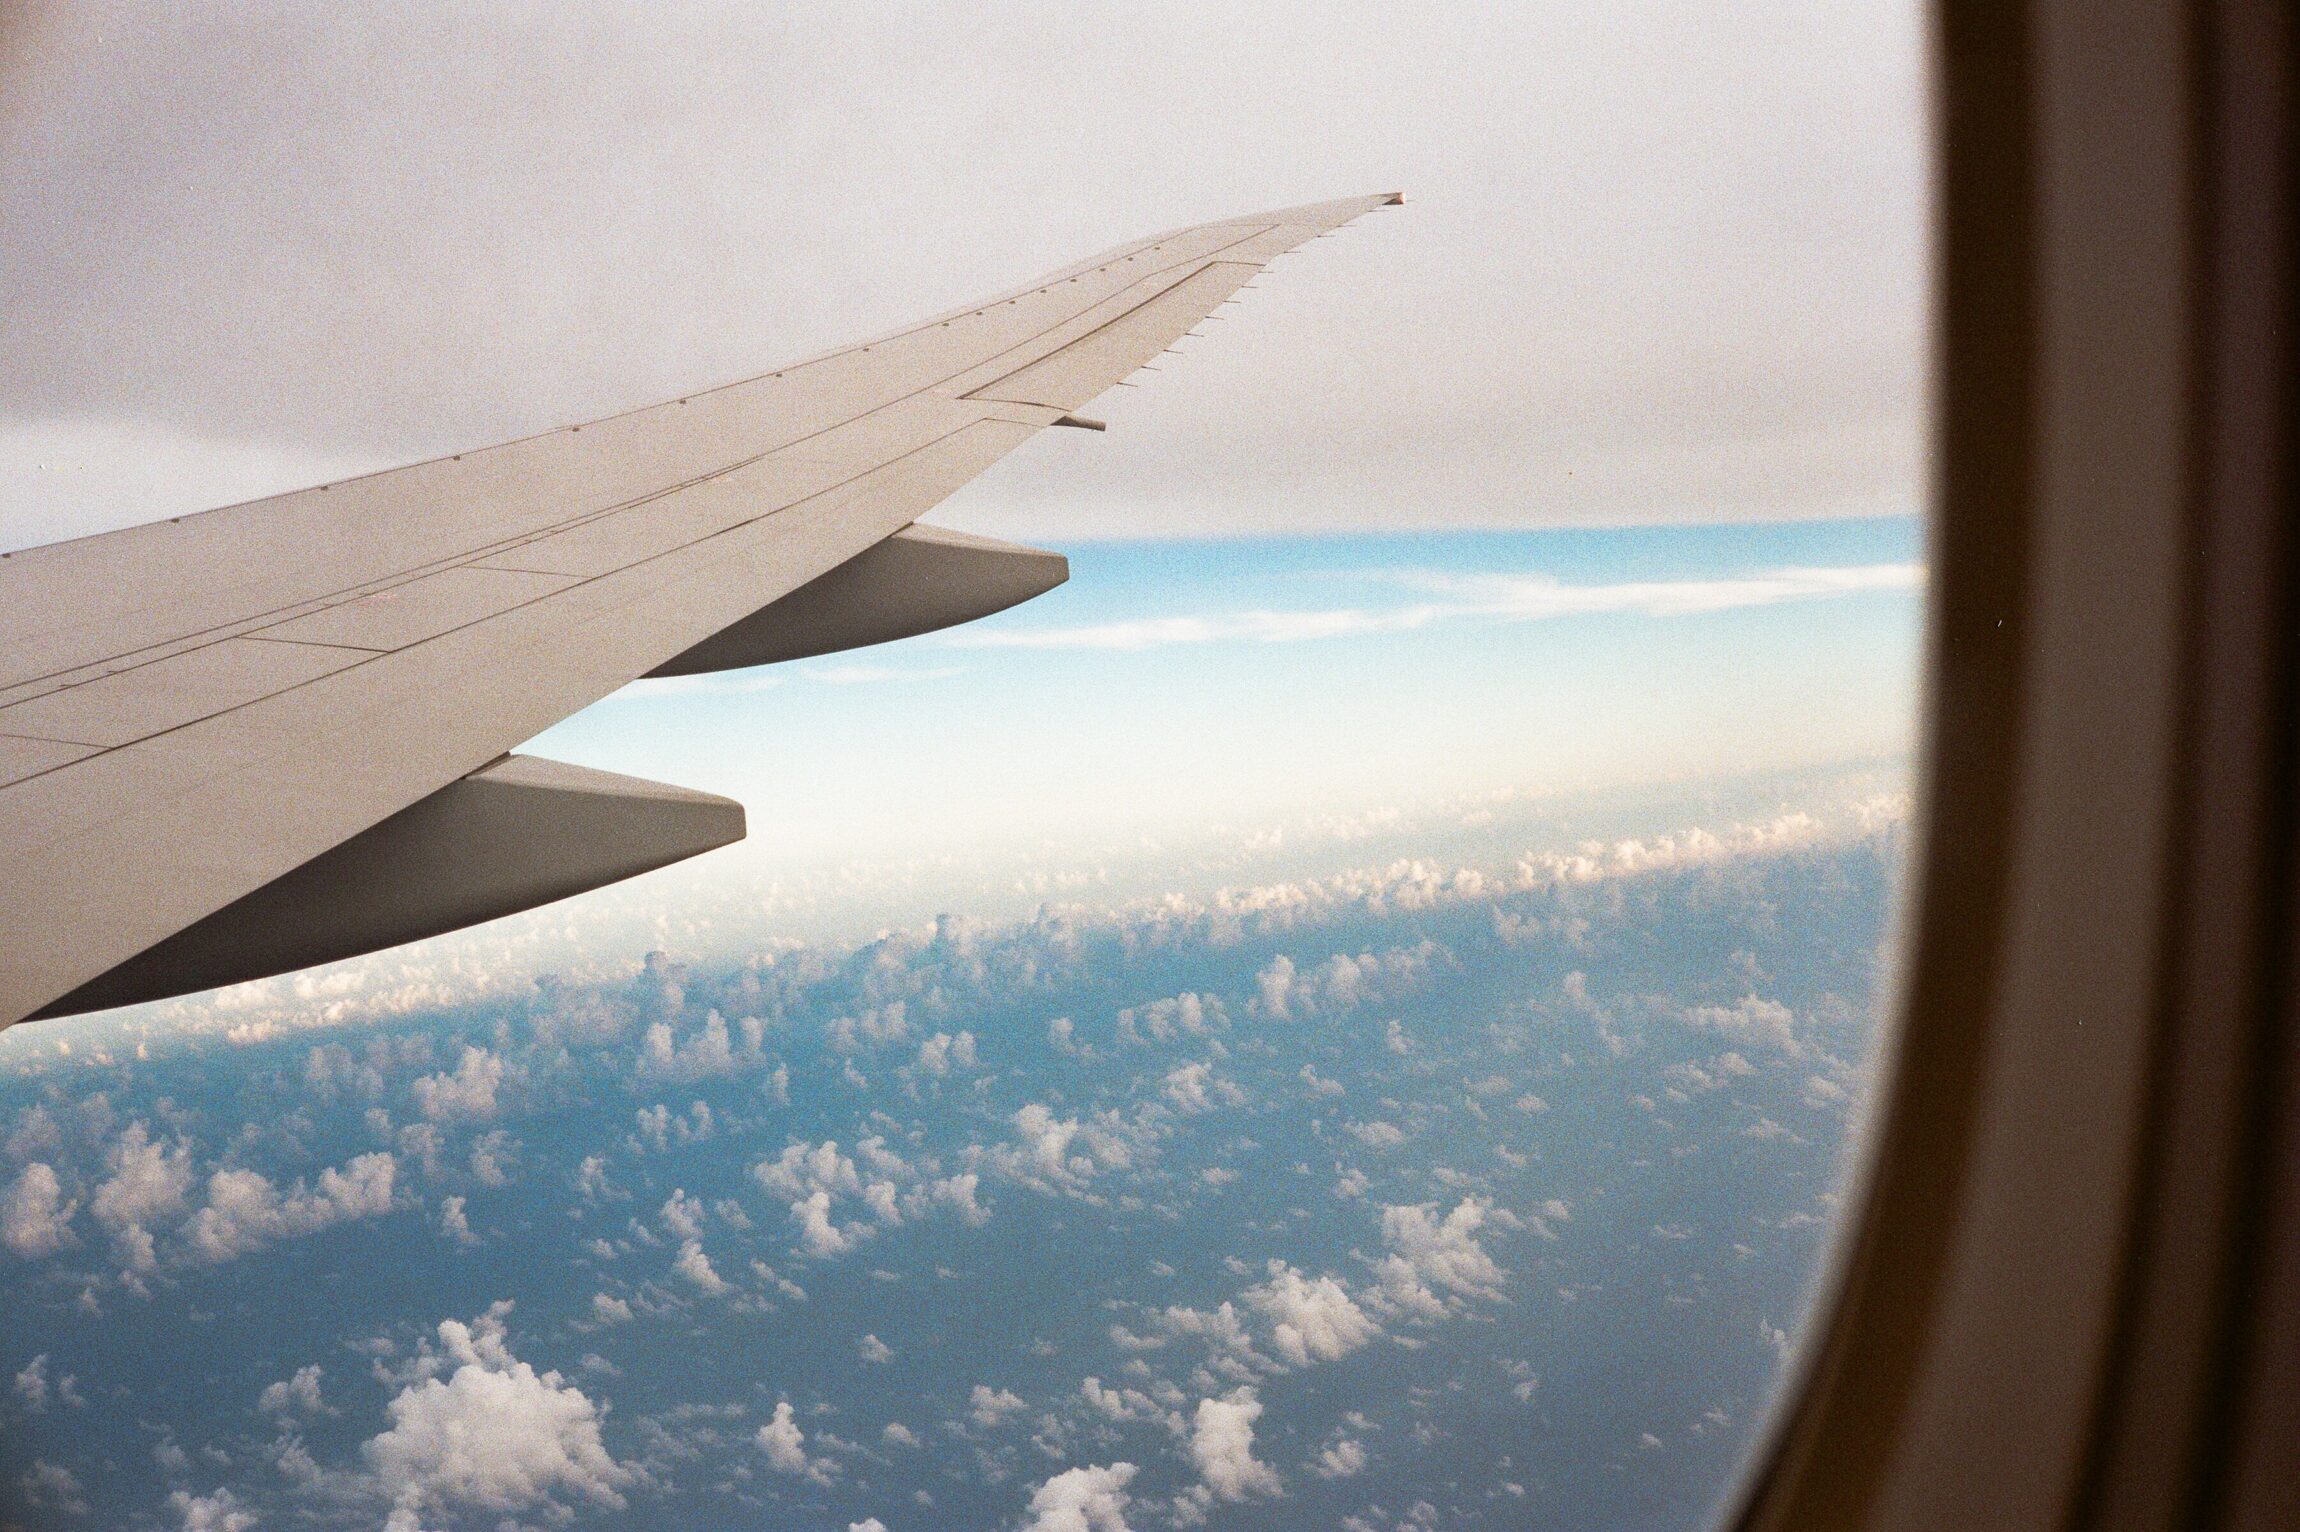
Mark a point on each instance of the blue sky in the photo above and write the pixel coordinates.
(1172, 686)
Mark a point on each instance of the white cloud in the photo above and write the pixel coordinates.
(958, 1194)
(299, 1394)
(1195, 1087)
(867, 1524)
(467, 1093)
(1311, 1320)
(454, 1222)
(682, 1215)
(1751, 1021)
(147, 1186)
(32, 1384)
(1066, 1154)
(939, 1053)
(1504, 598)
(706, 1054)
(990, 1408)
(496, 1436)
(246, 1212)
(696, 1267)
(1229, 1342)
(1126, 1404)
(610, 1310)
(1342, 1458)
(818, 1234)
(1433, 1260)
(872, 1349)
(492, 1156)
(219, 1512)
(803, 1170)
(873, 1028)
(1090, 1499)
(47, 1485)
(786, 1448)
(899, 1435)
(35, 1219)
(1285, 991)
(1222, 1447)
(1187, 1014)
(1377, 1135)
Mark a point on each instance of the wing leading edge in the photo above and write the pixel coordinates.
(192, 711)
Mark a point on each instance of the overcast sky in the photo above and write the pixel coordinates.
(1659, 261)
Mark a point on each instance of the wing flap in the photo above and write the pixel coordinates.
(918, 581)
(513, 835)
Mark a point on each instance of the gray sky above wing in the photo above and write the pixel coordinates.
(1665, 261)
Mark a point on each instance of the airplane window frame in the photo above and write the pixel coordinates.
(2070, 1297)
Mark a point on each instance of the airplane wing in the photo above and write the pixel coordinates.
(242, 742)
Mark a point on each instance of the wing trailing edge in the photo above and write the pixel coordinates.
(917, 581)
(515, 834)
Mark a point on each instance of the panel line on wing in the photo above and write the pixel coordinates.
(32, 721)
(1188, 267)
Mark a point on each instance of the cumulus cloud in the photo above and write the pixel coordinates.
(245, 1211)
(682, 1215)
(1377, 1135)
(494, 1436)
(47, 1486)
(1188, 1014)
(873, 1028)
(1311, 1319)
(1433, 1260)
(1065, 1154)
(468, 1093)
(990, 1408)
(1752, 1022)
(1286, 992)
(32, 1386)
(786, 1448)
(1128, 1404)
(146, 1187)
(818, 1235)
(610, 1310)
(1090, 1499)
(1342, 1458)
(296, 1395)
(813, 1179)
(1196, 1088)
(696, 1267)
(35, 1218)
(492, 1156)
(706, 1053)
(939, 1054)
(219, 1512)
(1222, 1448)
(454, 1222)
(872, 1349)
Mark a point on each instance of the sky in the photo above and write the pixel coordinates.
(1347, 1013)
(1660, 261)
